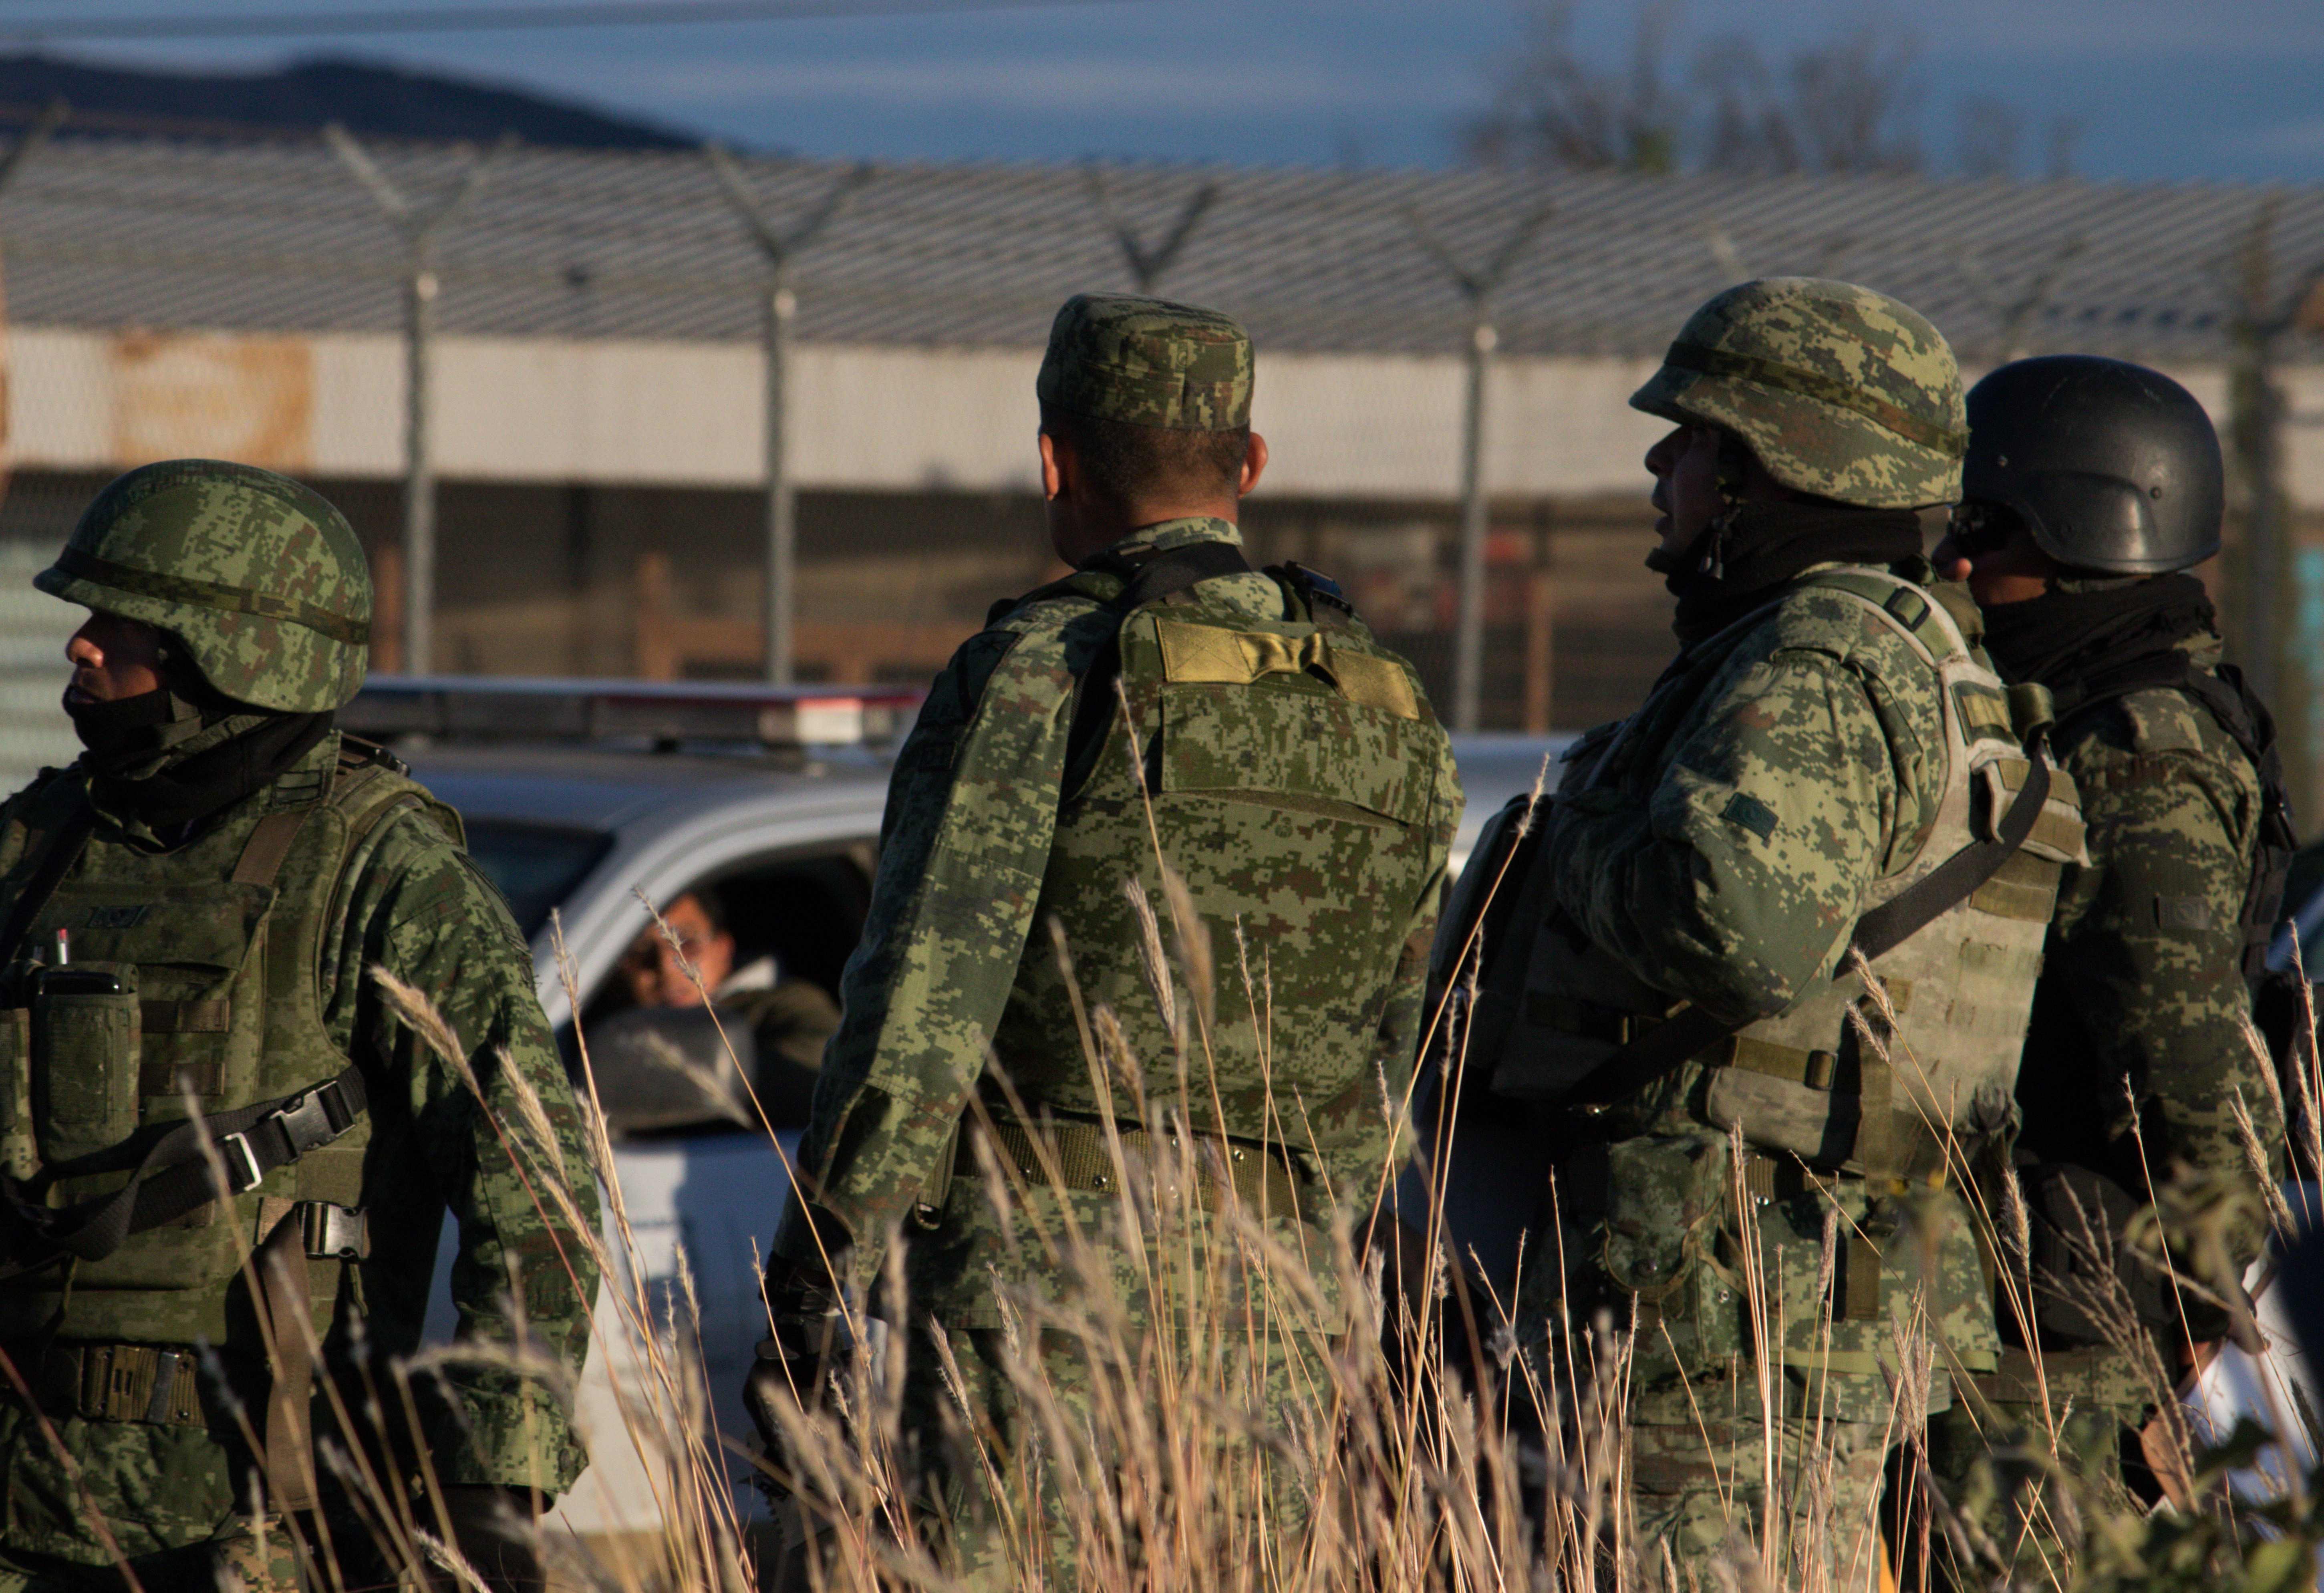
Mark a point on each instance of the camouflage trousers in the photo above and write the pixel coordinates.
(245, 1563)
(1055, 1478)
(1700, 1495)
(1687, 1280)
(1998, 1459)
(172, 1499)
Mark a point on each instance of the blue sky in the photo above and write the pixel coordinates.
(2230, 89)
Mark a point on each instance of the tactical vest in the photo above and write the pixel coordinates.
(2236, 710)
(219, 948)
(1292, 773)
(1847, 1079)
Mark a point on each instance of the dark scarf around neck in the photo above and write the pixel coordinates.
(2064, 638)
(172, 762)
(1747, 555)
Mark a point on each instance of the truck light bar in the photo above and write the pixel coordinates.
(451, 707)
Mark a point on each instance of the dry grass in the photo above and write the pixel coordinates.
(1212, 1402)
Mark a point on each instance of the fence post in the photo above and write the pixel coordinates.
(1478, 287)
(780, 249)
(1148, 264)
(418, 229)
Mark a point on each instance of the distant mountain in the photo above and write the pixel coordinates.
(381, 101)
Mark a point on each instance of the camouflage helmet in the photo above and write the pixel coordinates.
(1839, 390)
(258, 577)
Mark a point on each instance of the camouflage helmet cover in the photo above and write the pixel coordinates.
(1839, 390)
(260, 577)
(1149, 361)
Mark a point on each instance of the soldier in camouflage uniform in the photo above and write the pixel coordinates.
(1164, 699)
(2092, 488)
(1755, 1133)
(192, 912)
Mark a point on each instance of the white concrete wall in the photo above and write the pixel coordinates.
(677, 413)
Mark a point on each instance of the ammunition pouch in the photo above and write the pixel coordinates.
(1661, 1200)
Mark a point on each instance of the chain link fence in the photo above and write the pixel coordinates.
(607, 338)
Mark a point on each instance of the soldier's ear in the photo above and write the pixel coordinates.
(1057, 465)
(1254, 465)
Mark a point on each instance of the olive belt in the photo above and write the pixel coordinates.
(1083, 1160)
(81, 1381)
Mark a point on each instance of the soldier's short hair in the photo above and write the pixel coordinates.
(1123, 463)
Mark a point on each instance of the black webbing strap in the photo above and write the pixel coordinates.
(175, 1177)
(1144, 581)
(64, 847)
(1692, 1031)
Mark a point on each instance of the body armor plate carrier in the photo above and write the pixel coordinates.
(1879, 1070)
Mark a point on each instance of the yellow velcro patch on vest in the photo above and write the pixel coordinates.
(1213, 655)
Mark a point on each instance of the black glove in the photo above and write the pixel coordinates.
(497, 1530)
(813, 1335)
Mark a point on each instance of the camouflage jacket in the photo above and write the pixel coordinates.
(1723, 852)
(951, 960)
(2141, 1011)
(415, 906)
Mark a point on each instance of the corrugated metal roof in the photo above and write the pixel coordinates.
(187, 233)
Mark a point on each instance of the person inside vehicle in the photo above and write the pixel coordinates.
(690, 963)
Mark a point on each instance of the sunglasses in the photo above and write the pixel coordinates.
(1977, 529)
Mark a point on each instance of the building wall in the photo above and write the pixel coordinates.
(894, 419)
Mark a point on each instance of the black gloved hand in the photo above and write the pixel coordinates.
(812, 1337)
(497, 1530)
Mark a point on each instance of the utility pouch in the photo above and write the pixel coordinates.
(20, 1157)
(85, 1034)
(1666, 1197)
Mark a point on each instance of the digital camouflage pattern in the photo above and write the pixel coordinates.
(1148, 362)
(2142, 992)
(1839, 390)
(2140, 1020)
(1718, 847)
(414, 904)
(259, 577)
(1315, 861)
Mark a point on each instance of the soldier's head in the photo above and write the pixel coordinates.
(1801, 387)
(234, 578)
(1144, 416)
(2081, 468)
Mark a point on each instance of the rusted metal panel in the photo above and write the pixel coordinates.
(183, 395)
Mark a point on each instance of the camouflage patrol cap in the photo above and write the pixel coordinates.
(258, 577)
(1839, 390)
(1149, 361)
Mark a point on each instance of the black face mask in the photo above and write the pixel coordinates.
(125, 732)
(173, 762)
(1748, 554)
(2064, 637)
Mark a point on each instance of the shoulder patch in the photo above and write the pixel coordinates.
(1751, 814)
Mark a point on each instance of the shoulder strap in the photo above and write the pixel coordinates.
(176, 1176)
(1144, 581)
(1663, 1048)
(64, 844)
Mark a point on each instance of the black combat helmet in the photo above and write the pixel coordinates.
(2112, 466)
